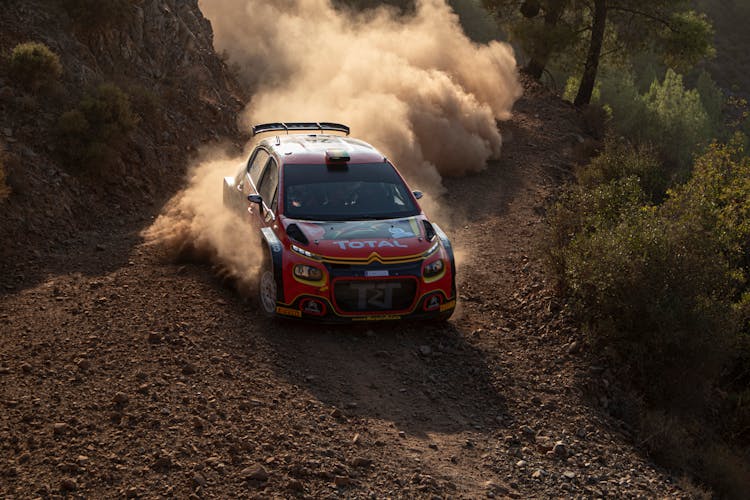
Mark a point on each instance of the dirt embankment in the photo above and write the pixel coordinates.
(121, 374)
(161, 55)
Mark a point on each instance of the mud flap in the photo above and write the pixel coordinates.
(449, 250)
(275, 251)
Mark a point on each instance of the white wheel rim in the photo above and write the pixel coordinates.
(268, 292)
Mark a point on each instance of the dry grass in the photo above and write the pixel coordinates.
(34, 65)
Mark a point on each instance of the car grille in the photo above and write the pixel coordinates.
(374, 295)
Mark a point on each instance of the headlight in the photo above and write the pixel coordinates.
(432, 249)
(308, 273)
(433, 268)
(304, 252)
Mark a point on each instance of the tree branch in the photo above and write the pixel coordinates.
(646, 15)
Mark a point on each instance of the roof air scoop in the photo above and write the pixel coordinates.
(337, 155)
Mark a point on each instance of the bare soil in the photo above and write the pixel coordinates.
(123, 375)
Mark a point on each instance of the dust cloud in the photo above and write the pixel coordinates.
(195, 225)
(412, 85)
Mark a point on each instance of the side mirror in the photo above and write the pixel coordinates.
(418, 194)
(255, 198)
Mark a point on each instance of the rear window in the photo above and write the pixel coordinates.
(353, 192)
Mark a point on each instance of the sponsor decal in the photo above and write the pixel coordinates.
(370, 244)
(377, 318)
(448, 305)
(289, 312)
(399, 232)
(357, 230)
(375, 295)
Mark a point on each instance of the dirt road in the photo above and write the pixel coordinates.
(121, 375)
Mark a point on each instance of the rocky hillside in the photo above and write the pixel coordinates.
(160, 53)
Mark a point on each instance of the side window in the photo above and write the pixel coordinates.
(255, 165)
(269, 182)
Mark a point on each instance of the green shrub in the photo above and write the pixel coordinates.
(670, 117)
(92, 131)
(144, 101)
(665, 290)
(717, 200)
(713, 100)
(676, 121)
(619, 160)
(93, 14)
(34, 65)
(618, 92)
(582, 211)
(660, 284)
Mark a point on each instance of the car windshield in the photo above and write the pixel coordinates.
(346, 192)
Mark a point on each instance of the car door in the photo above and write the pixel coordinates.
(250, 179)
(268, 190)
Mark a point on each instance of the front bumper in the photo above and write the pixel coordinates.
(369, 292)
(316, 308)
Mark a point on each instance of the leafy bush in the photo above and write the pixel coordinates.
(620, 160)
(666, 289)
(664, 282)
(91, 132)
(676, 120)
(618, 92)
(583, 211)
(144, 101)
(671, 118)
(712, 98)
(34, 65)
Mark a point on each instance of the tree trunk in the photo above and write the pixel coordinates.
(534, 68)
(592, 59)
(553, 11)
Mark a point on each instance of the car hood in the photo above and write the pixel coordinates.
(366, 239)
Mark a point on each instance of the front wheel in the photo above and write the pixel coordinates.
(442, 318)
(267, 290)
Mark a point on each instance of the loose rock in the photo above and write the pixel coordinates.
(68, 484)
(341, 481)
(255, 473)
(560, 450)
(121, 399)
(60, 428)
(361, 462)
(199, 481)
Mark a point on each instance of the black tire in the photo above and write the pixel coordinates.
(267, 289)
(442, 318)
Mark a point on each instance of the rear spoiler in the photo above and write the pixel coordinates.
(321, 126)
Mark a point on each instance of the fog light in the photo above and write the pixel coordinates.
(432, 302)
(308, 273)
(433, 268)
(312, 306)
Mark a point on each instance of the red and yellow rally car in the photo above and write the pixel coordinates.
(344, 238)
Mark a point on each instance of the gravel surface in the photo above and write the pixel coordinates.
(122, 375)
